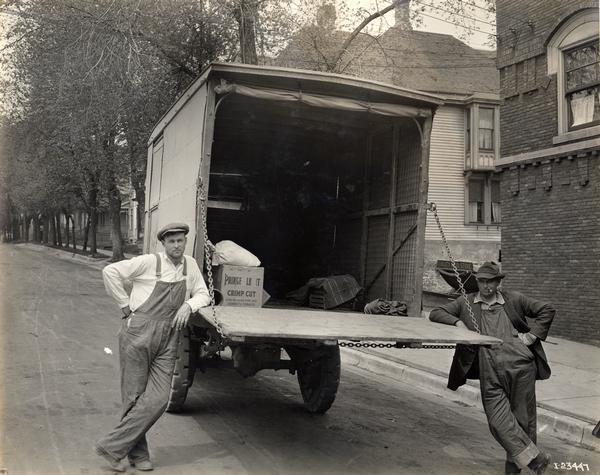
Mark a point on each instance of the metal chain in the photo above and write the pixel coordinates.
(201, 202)
(433, 208)
(350, 344)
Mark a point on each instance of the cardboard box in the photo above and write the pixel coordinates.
(241, 286)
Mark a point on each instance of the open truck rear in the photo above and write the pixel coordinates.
(317, 174)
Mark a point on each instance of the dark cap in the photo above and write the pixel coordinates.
(489, 270)
(172, 228)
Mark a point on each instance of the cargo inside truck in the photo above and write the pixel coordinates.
(309, 191)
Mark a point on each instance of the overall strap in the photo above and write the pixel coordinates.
(184, 266)
(158, 266)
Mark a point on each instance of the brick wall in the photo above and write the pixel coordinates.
(551, 240)
(528, 116)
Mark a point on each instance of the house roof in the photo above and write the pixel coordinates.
(425, 61)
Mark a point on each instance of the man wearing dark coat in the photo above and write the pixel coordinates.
(507, 372)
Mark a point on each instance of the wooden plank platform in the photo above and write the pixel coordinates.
(242, 322)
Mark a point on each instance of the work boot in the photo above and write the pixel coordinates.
(115, 465)
(143, 465)
(511, 468)
(539, 464)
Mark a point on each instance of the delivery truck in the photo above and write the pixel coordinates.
(316, 174)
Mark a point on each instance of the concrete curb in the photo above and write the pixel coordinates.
(561, 426)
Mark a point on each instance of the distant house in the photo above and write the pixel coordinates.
(129, 220)
(549, 61)
(465, 136)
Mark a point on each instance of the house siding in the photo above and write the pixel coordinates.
(447, 182)
(470, 243)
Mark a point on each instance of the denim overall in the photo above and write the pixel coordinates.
(507, 380)
(147, 350)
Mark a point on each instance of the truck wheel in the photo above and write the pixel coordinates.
(319, 379)
(183, 375)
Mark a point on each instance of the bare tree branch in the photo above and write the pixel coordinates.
(360, 27)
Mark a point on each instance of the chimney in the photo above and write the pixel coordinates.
(326, 17)
(402, 12)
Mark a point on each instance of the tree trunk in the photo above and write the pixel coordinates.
(16, 229)
(27, 227)
(114, 203)
(73, 230)
(58, 231)
(245, 16)
(36, 229)
(87, 232)
(46, 232)
(52, 228)
(93, 230)
(67, 233)
(24, 227)
(140, 197)
(93, 210)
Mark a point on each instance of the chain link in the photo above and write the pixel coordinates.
(201, 202)
(433, 208)
(351, 344)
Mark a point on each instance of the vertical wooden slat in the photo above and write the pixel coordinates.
(365, 207)
(207, 142)
(415, 305)
(392, 216)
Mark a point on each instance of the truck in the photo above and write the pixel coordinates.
(317, 174)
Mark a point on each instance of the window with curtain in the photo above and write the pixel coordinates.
(495, 202)
(486, 128)
(476, 200)
(482, 199)
(582, 81)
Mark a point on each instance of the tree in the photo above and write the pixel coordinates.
(87, 81)
(74, 79)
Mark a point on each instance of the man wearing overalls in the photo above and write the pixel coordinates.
(507, 373)
(167, 288)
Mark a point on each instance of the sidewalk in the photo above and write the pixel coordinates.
(67, 254)
(568, 402)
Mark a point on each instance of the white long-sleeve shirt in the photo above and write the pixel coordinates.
(141, 272)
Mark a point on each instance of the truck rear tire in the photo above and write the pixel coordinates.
(319, 379)
(183, 374)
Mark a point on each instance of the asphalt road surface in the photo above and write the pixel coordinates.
(60, 392)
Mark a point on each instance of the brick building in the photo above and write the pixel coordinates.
(549, 62)
(465, 133)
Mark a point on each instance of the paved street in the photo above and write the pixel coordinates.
(60, 392)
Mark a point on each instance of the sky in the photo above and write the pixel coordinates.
(475, 18)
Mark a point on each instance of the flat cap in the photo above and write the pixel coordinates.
(172, 228)
(489, 270)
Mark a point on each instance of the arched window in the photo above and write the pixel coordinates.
(574, 56)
